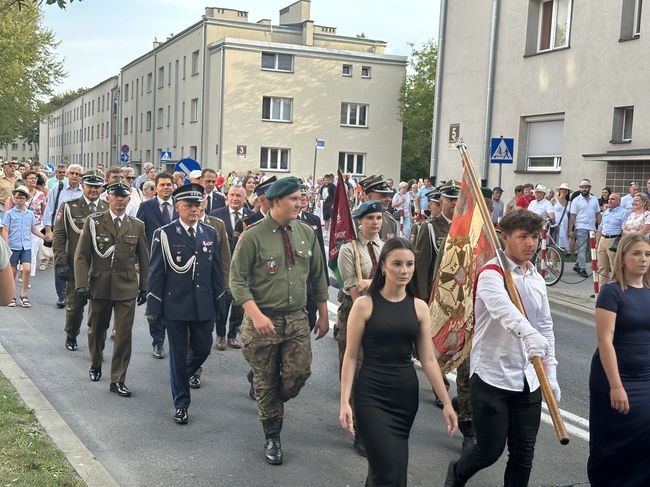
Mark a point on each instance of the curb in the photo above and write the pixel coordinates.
(570, 308)
(82, 460)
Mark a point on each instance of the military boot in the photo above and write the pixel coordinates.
(467, 429)
(272, 446)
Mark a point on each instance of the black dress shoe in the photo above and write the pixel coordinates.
(452, 480)
(195, 381)
(71, 343)
(95, 373)
(273, 451)
(60, 304)
(181, 416)
(120, 389)
(158, 351)
(583, 273)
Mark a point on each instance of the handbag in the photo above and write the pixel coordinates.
(614, 246)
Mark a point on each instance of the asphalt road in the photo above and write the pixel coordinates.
(139, 444)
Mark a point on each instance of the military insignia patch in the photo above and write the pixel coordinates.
(271, 266)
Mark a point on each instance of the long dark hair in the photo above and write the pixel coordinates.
(379, 280)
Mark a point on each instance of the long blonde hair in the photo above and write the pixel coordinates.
(623, 247)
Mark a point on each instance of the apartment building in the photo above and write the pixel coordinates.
(18, 150)
(83, 130)
(567, 79)
(238, 95)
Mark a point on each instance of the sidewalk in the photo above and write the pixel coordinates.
(573, 295)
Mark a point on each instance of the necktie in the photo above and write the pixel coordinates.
(91, 207)
(190, 232)
(165, 213)
(288, 249)
(373, 258)
(118, 223)
(236, 217)
(209, 204)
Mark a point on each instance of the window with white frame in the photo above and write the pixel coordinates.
(161, 76)
(159, 118)
(352, 162)
(277, 62)
(195, 62)
(554, 24)
(346, 70)
(622, 126)
(638, 4)
(149, 81)
(194, 110)
(277, 109)
(274, 159)
(354, 114)
(631, 19)
(126, 92)
(366, 71)
(544, 143)
(149, 120)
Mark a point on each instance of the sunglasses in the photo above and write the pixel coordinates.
(131, 178)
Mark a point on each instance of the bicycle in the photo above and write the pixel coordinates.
(552, 266)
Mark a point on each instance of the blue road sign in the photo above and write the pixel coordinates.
(50, 167)
(124, 149)
(320, 144)
(187, 165)
(124, 158)
(165, 156)
(501, 150)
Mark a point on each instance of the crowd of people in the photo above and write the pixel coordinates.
(245, 255)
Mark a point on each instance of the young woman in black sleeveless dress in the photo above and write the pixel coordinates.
(387, 323)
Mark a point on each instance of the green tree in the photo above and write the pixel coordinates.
(30, 69)
(416, 111)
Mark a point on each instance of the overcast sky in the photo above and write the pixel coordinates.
(98, 37)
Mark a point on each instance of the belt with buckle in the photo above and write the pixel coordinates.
(610, 236)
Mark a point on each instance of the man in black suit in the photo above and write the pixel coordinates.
(231, 216)
(215, 199)
(314, 222)
(155, 213)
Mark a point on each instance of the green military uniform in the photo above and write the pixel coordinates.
(224, 248)
(67, 230)
(430, 240)
(105, 261)
(260, 271)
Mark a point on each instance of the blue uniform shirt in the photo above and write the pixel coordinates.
(20, 225)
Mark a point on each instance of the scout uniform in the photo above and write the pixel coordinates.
(67, 230)
(105, 271)
(375, 187)
(185, 284)
(271, 265)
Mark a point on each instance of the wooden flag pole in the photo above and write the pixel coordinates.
(547, 392)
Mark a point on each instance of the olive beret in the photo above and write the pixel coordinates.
(283, 187)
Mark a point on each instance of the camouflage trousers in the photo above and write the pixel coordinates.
(462, 387)
(281, 363)
(340, 334)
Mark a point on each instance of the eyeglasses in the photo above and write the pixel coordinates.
(130, 177)
(74, 173)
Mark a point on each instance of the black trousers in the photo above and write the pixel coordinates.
(183, 362)
(234, 318)
(502, 416)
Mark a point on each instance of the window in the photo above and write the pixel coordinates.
(631, 19)
(183, 113)
(161, 76)
(544, 143)
(194, 110)
(277, 62)
(149, 82)
(169, 74)
(276, 109)
(193, 152)
(159, 118)
(622, 127)
(184, 65)
(365, 71)
(554, 24)
(130, 121)
(195, 62)
(141, 120)
(273, 159)
(354, 114)
(351, 162)
(346, 70)
(169, 111)
(14, 146)
(126, 126)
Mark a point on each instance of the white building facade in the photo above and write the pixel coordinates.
(567, 79)
(19, 150)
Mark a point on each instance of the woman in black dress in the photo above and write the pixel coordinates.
(619, 382)
(388, 322)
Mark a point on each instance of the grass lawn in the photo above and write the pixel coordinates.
(27, 455)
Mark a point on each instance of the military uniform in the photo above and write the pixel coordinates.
(185, 285)
(105, 261)
(389, 226)
(67, 230)
(262, 271)
(430, 239)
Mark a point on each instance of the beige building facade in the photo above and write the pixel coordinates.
(19, 150)
(566, 79)
(83, 130)
(238, 95)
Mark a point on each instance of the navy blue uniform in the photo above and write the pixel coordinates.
(185, 295)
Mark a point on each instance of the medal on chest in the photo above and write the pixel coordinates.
(271, 266)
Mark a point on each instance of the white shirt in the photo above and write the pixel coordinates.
(169, 207)
(114, 216)
(543, 208)
(498, 355)
(233, 216)
(585, 210)
(187, 227)
(626, 201)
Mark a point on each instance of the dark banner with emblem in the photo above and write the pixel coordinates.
(341, 226)
(466, 250)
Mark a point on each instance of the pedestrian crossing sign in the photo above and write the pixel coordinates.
(501, 150)
(165, 156)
